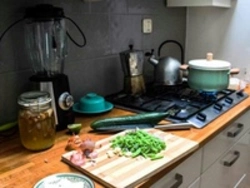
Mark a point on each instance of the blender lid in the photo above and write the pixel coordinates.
(44, 12)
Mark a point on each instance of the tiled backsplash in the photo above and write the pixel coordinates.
(109, 26)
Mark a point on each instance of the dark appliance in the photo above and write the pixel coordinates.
(190, 106)
(46, 42)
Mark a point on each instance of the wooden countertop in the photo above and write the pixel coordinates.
(22, 168)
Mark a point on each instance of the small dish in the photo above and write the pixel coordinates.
(65, 180)
(92, 103)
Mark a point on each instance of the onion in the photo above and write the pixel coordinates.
(93, 155)
(87, 144)
(73, 143)
(87, 152)
(77, 158)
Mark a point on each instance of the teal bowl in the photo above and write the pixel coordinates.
(92, 103)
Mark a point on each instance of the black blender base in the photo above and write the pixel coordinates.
(57, 85)
(66, 119)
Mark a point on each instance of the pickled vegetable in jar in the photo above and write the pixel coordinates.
(36, 120)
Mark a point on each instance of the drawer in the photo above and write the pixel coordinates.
(230, 169)
(224, 140)
(183, 175)
(195, 184)
(242, 183)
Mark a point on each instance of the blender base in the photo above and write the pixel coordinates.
(62, 101)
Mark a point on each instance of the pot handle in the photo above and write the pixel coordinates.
(184, 67)
(184, 70)
(234, 71)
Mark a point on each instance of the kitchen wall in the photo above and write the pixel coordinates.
(109, 25)
(223, 31)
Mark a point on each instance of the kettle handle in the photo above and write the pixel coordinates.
(175, 42)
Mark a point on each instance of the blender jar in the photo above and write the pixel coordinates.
(46, 39)
(36, 120)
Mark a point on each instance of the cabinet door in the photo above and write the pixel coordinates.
(183, 175)
(228, 170)
(242, 183)
(195, 184)
(224, 140)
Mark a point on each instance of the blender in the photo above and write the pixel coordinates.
(46, 43)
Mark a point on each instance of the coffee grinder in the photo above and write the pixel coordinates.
(46, 42)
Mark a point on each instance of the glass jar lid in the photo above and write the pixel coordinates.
(34, 98)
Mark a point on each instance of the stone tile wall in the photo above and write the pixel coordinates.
(109, 26)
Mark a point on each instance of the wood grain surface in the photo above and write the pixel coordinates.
(124, 171)
(22, 168)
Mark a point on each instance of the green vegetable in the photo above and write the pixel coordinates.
(155, 157)
(139, 142)
(8, 126)
(144, 118)
(75, 128)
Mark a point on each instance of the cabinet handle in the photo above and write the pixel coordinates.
(230, 163)
(238, 129)
(179, 180)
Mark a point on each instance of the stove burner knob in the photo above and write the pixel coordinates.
(228, 100)
(201, 117)
(218, 107)
(66, 101)
(240, 93)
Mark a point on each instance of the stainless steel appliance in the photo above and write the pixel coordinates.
(167, 69)
(132, 64)
(191, 107)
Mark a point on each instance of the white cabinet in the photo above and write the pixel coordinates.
(184, 175)
(230, 170)
(223, 162)
(226, 157)
(223, 141)
(199, 3)
(195, 184)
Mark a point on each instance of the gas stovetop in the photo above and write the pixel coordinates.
(189, 105)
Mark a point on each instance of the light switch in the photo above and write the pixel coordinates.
(147, 25)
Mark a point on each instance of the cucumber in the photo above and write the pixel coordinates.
(144, 118)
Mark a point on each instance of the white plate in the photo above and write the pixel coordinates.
(65, 180)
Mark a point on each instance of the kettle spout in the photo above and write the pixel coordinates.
(153, 60)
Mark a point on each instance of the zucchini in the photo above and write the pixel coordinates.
(144, 118)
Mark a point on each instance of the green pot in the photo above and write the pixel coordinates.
(208, 80)
(208, 75)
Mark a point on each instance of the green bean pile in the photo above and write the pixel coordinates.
(139, 142)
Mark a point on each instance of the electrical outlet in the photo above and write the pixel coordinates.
(147, 25)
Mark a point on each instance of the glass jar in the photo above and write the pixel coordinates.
(36, 120)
